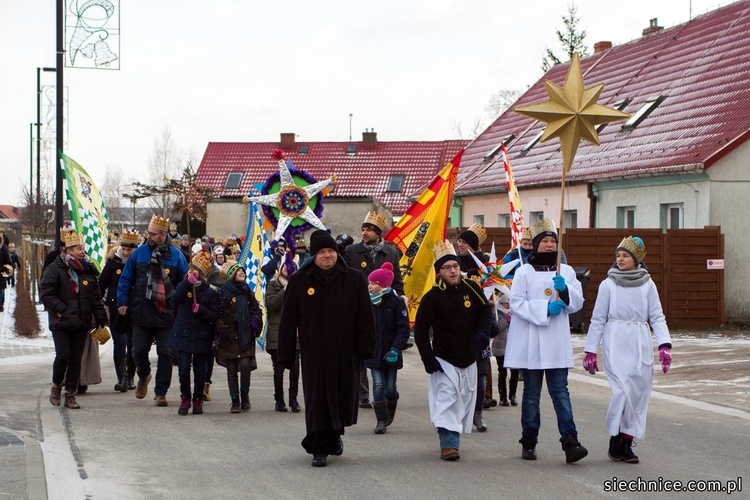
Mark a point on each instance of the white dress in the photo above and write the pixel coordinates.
(620, 321)
(452, 395)
(537, 341)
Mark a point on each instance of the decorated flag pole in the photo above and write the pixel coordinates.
(571, 114)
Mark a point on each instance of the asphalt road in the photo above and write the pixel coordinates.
(119, 447)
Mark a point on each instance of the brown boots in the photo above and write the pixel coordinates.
(70, 400)
(54, 395)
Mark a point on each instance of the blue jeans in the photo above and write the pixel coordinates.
(557, 385)
(143, 337)
(184, 359)
(384, 384)
(448, 439)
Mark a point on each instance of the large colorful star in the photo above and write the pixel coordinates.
(572, 113)
(292, 200)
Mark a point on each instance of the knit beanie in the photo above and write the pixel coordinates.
(321, 239)
(229, 269)
(382, 276)
(471, 238)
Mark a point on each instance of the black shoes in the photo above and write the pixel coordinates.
(489, 403)
(615, 443)
(294, 405)
(320, 460)
(528, 447)
(280, 406)
(626, 451)
(574, 451)
(504, 402)
(365, 403)
(513, 401)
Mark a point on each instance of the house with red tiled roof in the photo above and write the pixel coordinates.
(681, 161)
(370, 175)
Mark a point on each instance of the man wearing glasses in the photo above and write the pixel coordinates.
(460, 318)
(146, 284)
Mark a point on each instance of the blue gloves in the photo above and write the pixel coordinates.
(432, 365)
(392, 356)
(555, 307)
(482, 340)
(559, 282)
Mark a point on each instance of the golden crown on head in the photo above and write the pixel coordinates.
(158, 223)
(443, 248)
(202, 261)
(525, 234)
(542, 226)
(173, 226)
(635, 246)
(130, 238)
(479, 231)
(375, 219)
(70, 237)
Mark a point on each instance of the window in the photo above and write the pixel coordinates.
(351, 149)
(494, 151)
(626, 217)
(234, 179)
(650, 105)
(479, 219)
(570, 219)
(503, 220)
(531, 143)
(619, 106)
(672, 216)
(535, 217)
(303, 150)
(395, 184)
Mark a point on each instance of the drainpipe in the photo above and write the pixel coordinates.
(592, 204)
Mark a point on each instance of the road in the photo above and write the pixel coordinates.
(119, 447)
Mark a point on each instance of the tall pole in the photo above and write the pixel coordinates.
(59, 118)
(31, 162)
(38, 134)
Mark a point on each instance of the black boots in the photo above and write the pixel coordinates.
(293, 404)
(235, 408)
(131, 372)
(121, 369)
(392, 404)
(381, 413)
(503, 396)
(528, 447)
(621, 448)
(574, 451)
(615, 442)
(479, 421)
(245, 401)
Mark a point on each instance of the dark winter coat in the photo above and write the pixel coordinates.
(468, 263)
(274, 303)
(194, 332)
(392, 330)
(4, 261)
(110, 278)
(226, 327)
(358, 257)
(333, 314)
(131, 291)
(67, 309)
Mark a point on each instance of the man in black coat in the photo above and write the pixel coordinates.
(329, 305)
(366, 256)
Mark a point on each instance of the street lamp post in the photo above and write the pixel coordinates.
(31, 162)
(59, 120)
(38, 130)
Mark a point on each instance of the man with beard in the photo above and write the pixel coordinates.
(327, 304)
(146, 284)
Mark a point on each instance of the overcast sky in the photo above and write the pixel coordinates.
(247, 70)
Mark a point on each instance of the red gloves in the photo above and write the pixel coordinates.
(589, 363)
(666, 359)
(196, 307)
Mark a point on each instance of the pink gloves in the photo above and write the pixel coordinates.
(508, 316)
(192, 277)
(196, 307)
(666, 358)
(589, 363)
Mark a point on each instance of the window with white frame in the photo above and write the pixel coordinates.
(479, 219)
(570, 219)
(626, 217)
(503, 220)
(535, 217)
(672, 216)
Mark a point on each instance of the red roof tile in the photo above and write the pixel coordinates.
(701, 67)
(364, 173)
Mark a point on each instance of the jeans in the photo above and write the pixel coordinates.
(244, 366)
(68, 353)
(384, 384)
(448, 439)
(184, 359)
(143, 337)
(557, 385)
(364, 385)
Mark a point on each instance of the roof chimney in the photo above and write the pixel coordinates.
(287, 140)
(653, 27)
(369, 137)
(600, 47)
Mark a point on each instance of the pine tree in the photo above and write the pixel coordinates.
(570, 38)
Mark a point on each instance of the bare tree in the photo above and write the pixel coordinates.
(501, 100)
(164, 165)
(111, 188)
(571, 38)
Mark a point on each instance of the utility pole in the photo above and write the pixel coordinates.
(59, 119)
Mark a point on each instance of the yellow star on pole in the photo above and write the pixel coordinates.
(572, 113)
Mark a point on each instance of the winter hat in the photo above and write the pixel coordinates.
(287, 261)
(321, 239)
(545, 227)
(382, 276)
(444, 252)
(474, 236)
(343, 240)
(634, 246)
(229, 269)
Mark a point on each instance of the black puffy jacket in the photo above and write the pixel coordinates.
(67, 309)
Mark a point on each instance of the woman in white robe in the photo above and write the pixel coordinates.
(625, 305)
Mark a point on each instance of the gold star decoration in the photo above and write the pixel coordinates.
(572, 113)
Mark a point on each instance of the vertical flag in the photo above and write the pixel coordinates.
(87, 211)
(417, 232)
(516, 214)
(256, 245)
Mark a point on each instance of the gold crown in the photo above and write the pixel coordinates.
(525, 234)
(158, 223)
(479, 231)
(228, 269)
(202, 261)
(443, 248)
(375, 219)
(635, 246)
(173, 226)
(130, 238)
(70, 237)
(543, 226)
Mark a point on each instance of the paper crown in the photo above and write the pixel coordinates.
(543, 226)
(202, 260)
(70, 237)
(479, 231)
(130, 239)
(375, 219)
(525, 234)
(158, 223)
(443, 249)
(635, 246)
(228, 269)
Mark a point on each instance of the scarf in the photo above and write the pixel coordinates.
(245, 327)
(373, 249)
(632, 278)
(74, 266)
(158, 285)
(377, 297)
(119, 255)
(543, 261)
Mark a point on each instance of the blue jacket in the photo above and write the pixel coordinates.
(131, 291)
(392, 330)
(194, 332)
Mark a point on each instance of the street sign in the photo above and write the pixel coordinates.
(715, 264)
